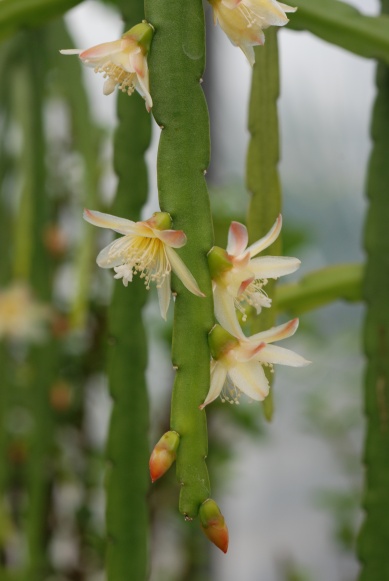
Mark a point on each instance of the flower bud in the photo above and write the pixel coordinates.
(218, 262)
(163, 455)
(220, 341)
(213, 524)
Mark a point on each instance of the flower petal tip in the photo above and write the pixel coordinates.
(71, 50)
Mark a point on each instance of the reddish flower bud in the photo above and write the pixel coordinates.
(163, 455)
(213, 524)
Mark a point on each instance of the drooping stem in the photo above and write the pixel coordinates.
(128, 447)
(262, 167)
(176, 66)
(374, 537)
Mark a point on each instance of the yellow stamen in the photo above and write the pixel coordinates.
(124, 79)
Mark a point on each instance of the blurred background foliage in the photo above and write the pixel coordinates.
(54, 403)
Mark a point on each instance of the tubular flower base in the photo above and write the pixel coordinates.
(123, 62)
(245, 20)
(145, 248)
(239, 277)
(163, 455)
(21, 317)
(237, 361)
(213, 524)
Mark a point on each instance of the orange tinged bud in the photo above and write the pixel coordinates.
(213, 524)
(61, 396)
(163, 455)
(55, 241)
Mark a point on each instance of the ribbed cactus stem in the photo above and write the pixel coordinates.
(262, 178)
(176, 62)
(374, 538)
(128, 446)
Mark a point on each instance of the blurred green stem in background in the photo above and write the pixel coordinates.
(128, 447)
(20, 14)
(374, 537)
(177, 62)
(320, 288)
(42, 358)
(343, 25)
(86, 141)
(262, 177)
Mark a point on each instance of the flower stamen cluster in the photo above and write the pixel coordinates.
(116, 76)
(147, 249)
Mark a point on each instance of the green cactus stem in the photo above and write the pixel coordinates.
(42, 359)
(177, 59)
(374, 537)
(262, 178)
(128, 447)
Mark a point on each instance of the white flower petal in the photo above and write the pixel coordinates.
(250, 378)
(275, 354)
(287, 8)
(142, 76)
(113, 254)
(120, 225)
(183, 272)
(237, 238)
(268, 239)
(248, 49)
(101, 52)
(218, 377)
(273, 266)
(164, 294)
(71, 50)
(225, 311)
(277, 333)
(268, 12)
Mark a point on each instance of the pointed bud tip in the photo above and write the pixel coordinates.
(213, 524)
(217, 533)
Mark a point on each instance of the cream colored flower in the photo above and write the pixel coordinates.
(22, 317)
(238, 361)
(245, 20)
(239, 275)
(123, 62)
(145, 248)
